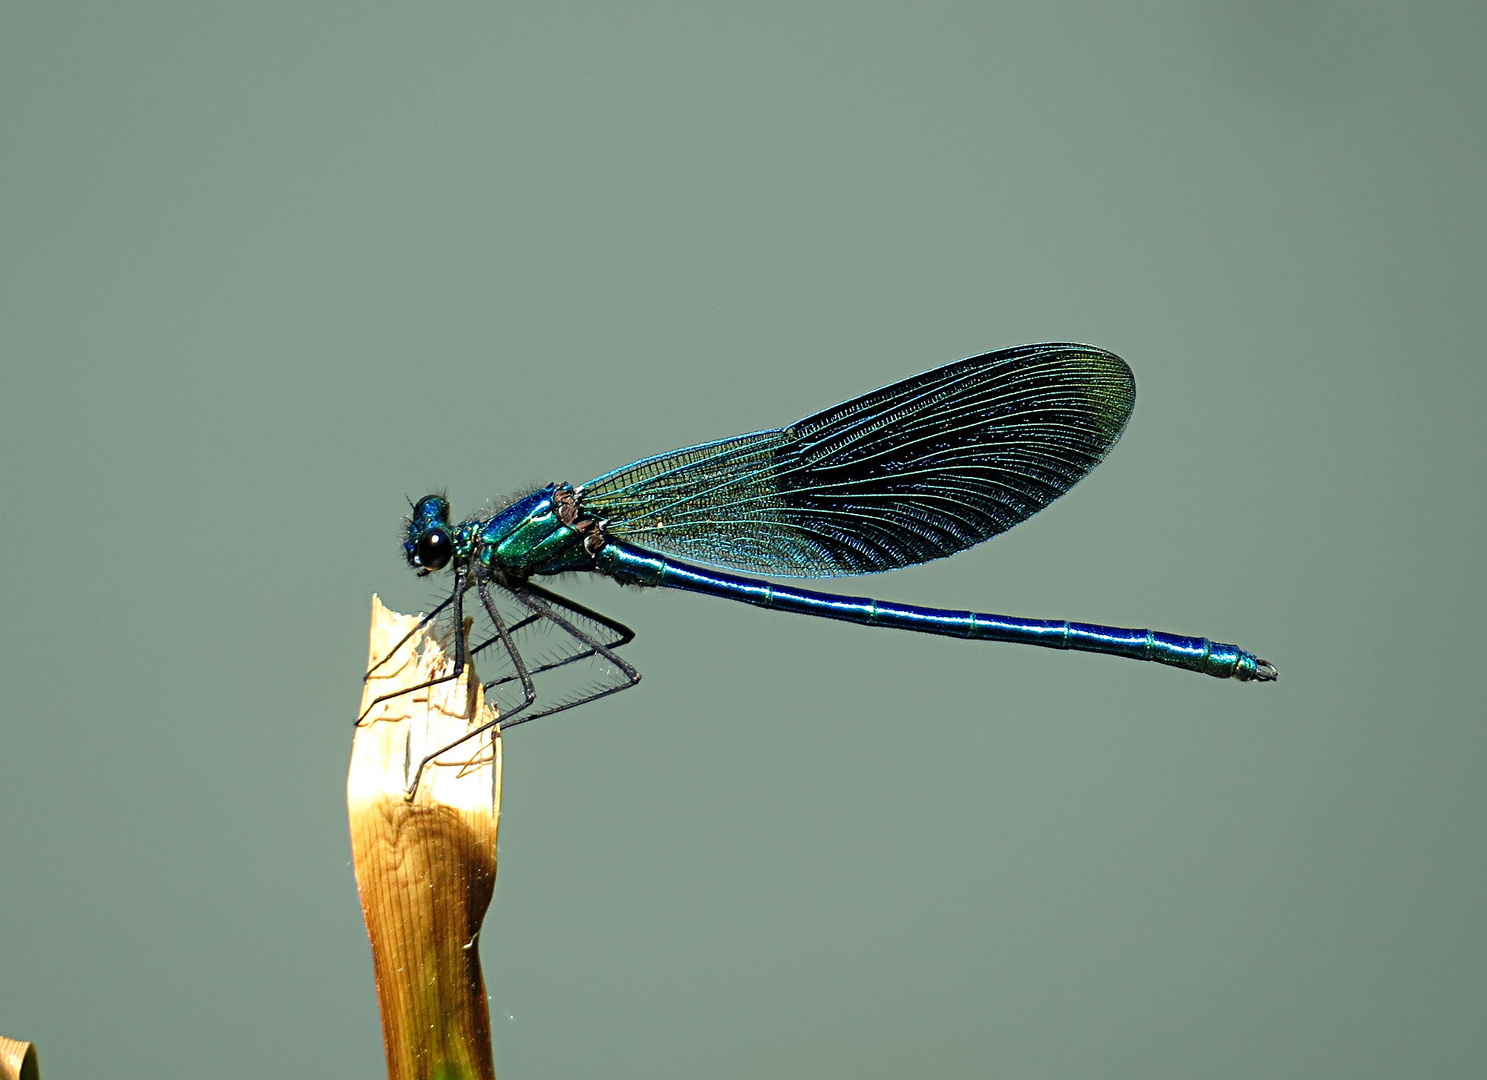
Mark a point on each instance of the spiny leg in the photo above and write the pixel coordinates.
(623, 635)
(535, 599)
(528, 690)
(460, 647)
(423, 622)
(495, 639)
(626, 635)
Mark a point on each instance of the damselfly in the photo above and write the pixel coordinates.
(914, 471)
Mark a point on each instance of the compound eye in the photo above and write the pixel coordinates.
(433, 550)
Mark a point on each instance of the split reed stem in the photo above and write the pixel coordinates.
(426, 863)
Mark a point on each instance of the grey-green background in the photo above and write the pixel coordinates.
(267, 268)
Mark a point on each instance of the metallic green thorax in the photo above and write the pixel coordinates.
(540, 534)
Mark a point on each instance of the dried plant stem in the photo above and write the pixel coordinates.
(18, 1060)
(425, 864)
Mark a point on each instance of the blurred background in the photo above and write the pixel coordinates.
(269, 268)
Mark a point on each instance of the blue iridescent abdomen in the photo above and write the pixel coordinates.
(1219, 660)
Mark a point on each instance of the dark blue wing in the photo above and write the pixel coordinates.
(921, 469)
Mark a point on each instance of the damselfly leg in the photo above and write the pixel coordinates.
(540, 633)
(529, 692)
(456, 599)
(596, 637)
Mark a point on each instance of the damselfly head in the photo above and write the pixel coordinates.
(427, 545)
